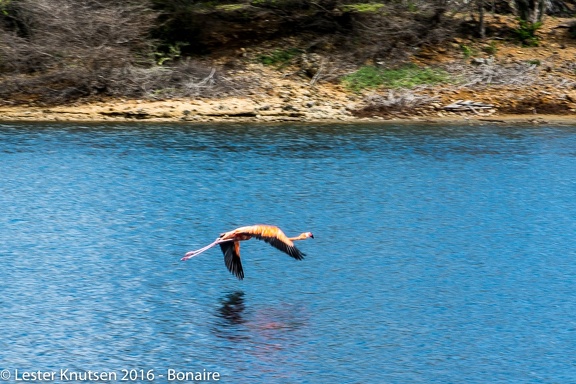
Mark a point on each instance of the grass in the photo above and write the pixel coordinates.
(279, 57)
(467, 51)
(405, 77)
(230, 7)
(363, 7)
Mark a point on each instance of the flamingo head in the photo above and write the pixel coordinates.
(309, 234)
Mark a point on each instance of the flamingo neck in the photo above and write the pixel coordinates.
(302, 236)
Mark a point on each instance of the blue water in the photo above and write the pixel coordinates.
(441, 254)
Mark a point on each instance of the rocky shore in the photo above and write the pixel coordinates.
(188, 110)
(308, 107)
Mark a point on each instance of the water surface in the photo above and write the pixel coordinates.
(442, 254)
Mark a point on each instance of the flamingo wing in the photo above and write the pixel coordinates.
(231, 251)
(275, 237)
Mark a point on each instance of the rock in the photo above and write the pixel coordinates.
(289, 107)
(571, 96)
(481, 61)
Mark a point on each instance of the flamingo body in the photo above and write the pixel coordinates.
(230, 244)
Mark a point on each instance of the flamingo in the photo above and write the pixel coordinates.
(230, 244)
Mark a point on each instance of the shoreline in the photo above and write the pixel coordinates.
(247, 111)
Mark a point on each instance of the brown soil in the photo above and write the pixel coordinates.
(547, 94)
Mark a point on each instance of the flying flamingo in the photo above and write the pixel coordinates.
(230, 244)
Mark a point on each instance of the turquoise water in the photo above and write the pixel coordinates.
(441, 254)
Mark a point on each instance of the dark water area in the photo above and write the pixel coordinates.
(441, 254)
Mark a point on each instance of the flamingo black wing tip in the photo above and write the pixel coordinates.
(237, 271)
(232, 260)
(296, 253)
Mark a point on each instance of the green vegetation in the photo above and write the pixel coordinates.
(263, 3)
(412, 7)
(405, 77)
(491, 49)
(363, 7)
(526, 33)
(467, 51)
(173, 53)
(3, 6)
(280, 57)
(230, 7)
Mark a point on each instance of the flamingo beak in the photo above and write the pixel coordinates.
(311, 235)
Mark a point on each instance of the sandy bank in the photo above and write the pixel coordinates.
(240, 110)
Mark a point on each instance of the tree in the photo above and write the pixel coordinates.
(481, 24)
(531, 11)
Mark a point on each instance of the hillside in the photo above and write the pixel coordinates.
(494, 79)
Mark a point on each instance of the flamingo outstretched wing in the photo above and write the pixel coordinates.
(273, 236)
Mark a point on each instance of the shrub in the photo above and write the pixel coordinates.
(280, 57)
(76, 48)
(491, 49)
(405, 77)
(526, 33)
(467, 51)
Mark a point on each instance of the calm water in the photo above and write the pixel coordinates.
(442, 255)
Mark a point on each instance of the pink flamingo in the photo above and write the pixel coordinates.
(230, 244)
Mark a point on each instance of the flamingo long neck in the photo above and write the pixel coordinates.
(302, 236)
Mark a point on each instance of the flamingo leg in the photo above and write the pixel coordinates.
(196, 252)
